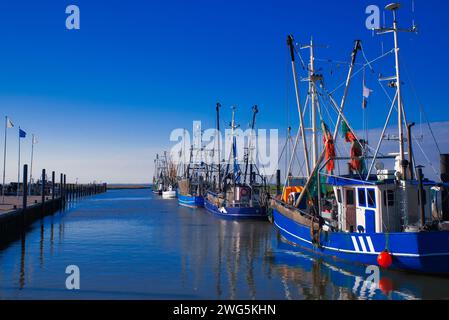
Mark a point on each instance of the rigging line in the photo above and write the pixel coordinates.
(360, 70)
(337, 61)
(280, 157)
(416, 140)
(303, 65)
(421, 107)
(366, 59)
(335, 106)
(425, 156)
(419, 103)
(344, 145)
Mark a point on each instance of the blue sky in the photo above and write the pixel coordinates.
(104, 99)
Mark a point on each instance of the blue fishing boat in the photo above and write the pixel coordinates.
(394, 218)
(191, 201)
(240, 210)
(193, 184)
(241, 193)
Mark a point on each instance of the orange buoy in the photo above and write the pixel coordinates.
(384, 259)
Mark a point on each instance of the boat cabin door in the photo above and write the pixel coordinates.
(367, 210)
(350, 209)
(346, 208)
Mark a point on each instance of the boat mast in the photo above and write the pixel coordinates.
(249, 154)
(218, 145)
(339, 120)
(393, 7)
(398, 85)
(298, 102)
(312, 92)
(234, 153)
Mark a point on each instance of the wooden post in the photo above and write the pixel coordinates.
(52, 185)
(278, 182)
(25, 188)
(65, 188)
(43, 189)
(60, 188)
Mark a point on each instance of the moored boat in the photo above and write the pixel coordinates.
(193, 184)
(241, 194)
(158, 176)
(191, 201)
(170, 193)
(394, 218)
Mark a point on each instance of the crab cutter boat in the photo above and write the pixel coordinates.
(394, 218)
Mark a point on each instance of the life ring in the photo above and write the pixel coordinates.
(243, 192)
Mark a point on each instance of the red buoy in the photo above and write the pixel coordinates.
(384, 259)
(386, 285)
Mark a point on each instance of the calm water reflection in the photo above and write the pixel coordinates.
(131, 245)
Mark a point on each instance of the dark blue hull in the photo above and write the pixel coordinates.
(236, 212)
(424, 252)
(191, 201)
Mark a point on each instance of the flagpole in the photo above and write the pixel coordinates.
(4, 161)
(18, 171)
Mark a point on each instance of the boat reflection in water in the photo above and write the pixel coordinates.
(233, 252)
(153, 249)
(309, 276)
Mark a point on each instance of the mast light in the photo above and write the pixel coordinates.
(392, 6)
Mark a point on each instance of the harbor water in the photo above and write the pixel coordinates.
(131, 244)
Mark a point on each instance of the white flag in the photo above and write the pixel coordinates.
(9, 123)
(35, 139)
(366, 91)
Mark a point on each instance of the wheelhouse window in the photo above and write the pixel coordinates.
(350, 197)
(361, 197)
(371, 198)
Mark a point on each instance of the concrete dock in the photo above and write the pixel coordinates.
(13, 203)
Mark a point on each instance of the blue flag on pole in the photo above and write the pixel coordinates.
(22, 134)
